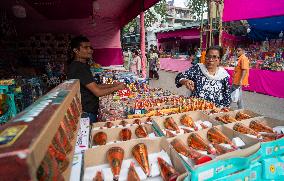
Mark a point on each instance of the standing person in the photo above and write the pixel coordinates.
(241, 74)
(79, 69)
(208, 81)
(135, 64)
(153, 65)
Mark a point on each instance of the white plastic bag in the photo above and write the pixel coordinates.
(235, 95)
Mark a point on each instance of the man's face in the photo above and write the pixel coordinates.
(85, 50)
(239, 51)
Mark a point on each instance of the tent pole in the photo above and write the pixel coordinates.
(211, 21)
(201, 26)
(220, 8)
(142, 44)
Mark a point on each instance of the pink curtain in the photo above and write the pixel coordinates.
(248, 9)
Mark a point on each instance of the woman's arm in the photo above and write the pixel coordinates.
(189, 75)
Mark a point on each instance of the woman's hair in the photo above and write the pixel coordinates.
(218, 48)
(76, 43)
(136, 52)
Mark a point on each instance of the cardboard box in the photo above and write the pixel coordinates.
(158, 122)
(233, 114)
(92, 158)
(252, 173)
(115, 123)
(272, 148)
(113, 133)
(273, 168)
(224, 164)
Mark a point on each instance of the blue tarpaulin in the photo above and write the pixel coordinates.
(266, 28)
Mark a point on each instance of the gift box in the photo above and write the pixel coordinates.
(200, 121)
(94, 162)
(233, 116)
(269, 148)
(121, 133)
(224, 164)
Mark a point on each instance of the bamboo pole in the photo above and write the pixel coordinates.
(201, 26)
(210, 21)
(221, 6)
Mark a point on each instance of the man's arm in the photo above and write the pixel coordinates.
(105, 86)
(97, 91)
(244, 72)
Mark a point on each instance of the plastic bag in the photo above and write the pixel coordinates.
(235, 95)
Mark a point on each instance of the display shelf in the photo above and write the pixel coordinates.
(26, 138)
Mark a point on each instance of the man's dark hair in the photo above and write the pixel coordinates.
(76, 41)
(220, 49)
(241, 47)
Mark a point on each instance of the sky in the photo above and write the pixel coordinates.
(179, 3)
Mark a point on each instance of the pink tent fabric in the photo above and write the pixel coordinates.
(249, 9)
(264, 81)
(70, 16)
(179, 33)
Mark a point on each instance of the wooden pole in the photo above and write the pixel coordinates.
(220, 8)
(201, 26)
(142, 45)
(211, 22)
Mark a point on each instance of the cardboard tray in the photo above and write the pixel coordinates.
(92, 158)
(272, 148)
(158, 122)
(233, 114)
(117, 122)
(207, 112)
(113, 133)
(224, 164)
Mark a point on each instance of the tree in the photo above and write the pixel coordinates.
(196, 7)
(157, 13)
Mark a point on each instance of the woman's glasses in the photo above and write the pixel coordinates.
(213, 57)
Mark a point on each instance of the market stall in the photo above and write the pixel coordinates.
(175, 65)
(263, 81)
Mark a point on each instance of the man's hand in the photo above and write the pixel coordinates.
(121, 86)
(189, 84)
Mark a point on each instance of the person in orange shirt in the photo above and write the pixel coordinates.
(241, 74)
(203, 56)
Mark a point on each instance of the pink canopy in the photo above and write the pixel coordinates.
(71, 16)
(186, 34)
(249, 9)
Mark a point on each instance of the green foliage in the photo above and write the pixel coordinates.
(196, 7)
(150, 17)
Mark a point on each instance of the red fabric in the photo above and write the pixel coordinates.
(248, 9)
(264, 81)
(108, 56)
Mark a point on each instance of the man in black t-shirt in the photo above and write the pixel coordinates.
(79, 69)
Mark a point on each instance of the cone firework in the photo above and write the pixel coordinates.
(137, 121)
(108, 124)
(100, 138)
(168, 173)
(171, 124)
(260, 127)
(239, 127)
(125, 134)
(115, 157)
(58, 152)
(132, 174)
(141, 132)
(214, 135)
(187, 121)
(67, 128)
(181, 148)
(221, 149)
(64, 140)
(196, 142)
(140, 154)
